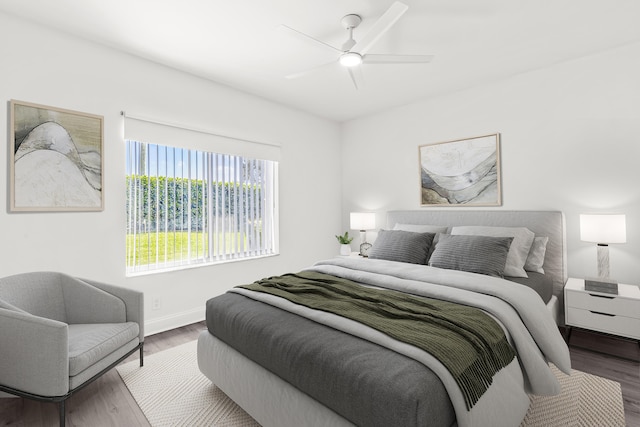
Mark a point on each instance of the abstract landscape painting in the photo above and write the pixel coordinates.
(56, 159)
(464, 172)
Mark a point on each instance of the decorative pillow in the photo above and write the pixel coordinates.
(420, 228)
(476, 254)
(535, 259)
(402, 246)
(522, 241)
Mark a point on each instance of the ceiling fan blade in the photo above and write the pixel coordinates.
(385, 22)
(356, 76)
(396, 59)
(310, 70)
(308, 37)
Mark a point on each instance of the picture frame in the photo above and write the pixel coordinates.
(461, 172)
(55, 159)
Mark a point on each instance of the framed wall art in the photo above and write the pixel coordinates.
(463, 172)
(55, 159)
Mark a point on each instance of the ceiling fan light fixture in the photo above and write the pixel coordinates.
(350, 59)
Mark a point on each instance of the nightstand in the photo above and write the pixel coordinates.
(597, 311)
(352, 255)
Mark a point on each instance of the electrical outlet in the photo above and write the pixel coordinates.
(156, 303)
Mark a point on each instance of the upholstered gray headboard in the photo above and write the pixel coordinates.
(542, 223)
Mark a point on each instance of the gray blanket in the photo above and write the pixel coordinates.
(365, 383)
(525, 319)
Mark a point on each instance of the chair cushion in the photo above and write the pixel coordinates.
(89, 343)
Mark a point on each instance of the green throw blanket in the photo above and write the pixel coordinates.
(469, 343)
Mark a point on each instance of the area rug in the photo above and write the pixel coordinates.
(171, 391)
(586, 401)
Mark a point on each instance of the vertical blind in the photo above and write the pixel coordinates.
(187, 207)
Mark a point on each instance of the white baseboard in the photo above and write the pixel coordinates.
(161, 324)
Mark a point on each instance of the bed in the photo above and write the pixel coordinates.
(287, 364)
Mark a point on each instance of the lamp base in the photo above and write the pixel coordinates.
(603, 261)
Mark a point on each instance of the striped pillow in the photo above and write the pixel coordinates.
(522, 241)
(476, 254)
(402, 246)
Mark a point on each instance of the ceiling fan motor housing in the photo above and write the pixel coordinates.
(351, 21)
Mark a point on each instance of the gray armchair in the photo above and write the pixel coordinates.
(58, 333)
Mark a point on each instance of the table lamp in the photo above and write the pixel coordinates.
(363, 221)
(603, 229)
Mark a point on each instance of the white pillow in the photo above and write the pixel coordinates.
(420, 228)
(519, 250)
(535, 259)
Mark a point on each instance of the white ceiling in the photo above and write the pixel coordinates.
(238, 43)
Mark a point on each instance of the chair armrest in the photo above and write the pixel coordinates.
(34, 354)
(133, 300)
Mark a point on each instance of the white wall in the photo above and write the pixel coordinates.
(570, 142)
(50, 68)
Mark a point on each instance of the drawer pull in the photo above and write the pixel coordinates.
(602, 314)
(601, 296)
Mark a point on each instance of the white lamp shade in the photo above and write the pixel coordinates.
(363, 220)
(603, 228)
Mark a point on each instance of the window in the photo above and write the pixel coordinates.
(188, 207)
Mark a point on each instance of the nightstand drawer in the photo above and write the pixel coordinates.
(604, 304)
(617, 325)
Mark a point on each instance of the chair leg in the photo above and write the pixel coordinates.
(142, 355)
(62, 413)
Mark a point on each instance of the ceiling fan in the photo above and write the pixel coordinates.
(354, 53)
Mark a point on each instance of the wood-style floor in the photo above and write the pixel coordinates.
(107, 401)
(614, 358)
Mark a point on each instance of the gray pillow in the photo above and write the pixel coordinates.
(402, 246)
(522, 241)
(476, 254)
